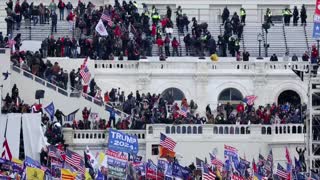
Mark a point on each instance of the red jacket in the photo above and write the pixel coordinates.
(314, 53)
(240, 108)
(175, 43)
(160, 42)
(154, 30)
(117, 31)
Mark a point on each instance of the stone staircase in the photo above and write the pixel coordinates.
(3, 15)
(250, 35)
(276, 40)
(41, 31)
(296, 40)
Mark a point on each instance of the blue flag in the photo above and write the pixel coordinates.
(100, 176)
(50, 110)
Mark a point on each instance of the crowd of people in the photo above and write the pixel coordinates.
(135, 34)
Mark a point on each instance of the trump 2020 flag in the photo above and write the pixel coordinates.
(50, 110)
(101, 29)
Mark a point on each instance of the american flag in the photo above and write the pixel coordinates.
(207, 174)
(269, 162)
(183, 113)
(85, 74)
(106, 18)
(54, 152)
(75, 160)
(288, 156)
(167, 142)
(262, 161)
(215, 161)
(281, 172)
(250, 99)
(56, 163)
(6, 154)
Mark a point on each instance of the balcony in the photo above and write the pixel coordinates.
(274, 134)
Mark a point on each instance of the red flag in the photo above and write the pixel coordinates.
(254, 167)
(288, 156)
(317, 11)
(6, 154)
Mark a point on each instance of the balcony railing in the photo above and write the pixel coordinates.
(177, 65)
(73, 93)
(208, 130)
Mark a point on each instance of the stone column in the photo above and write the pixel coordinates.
(260, 83)
(68, 135)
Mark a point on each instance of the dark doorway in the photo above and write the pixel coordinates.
(172, 94)
(289, 96)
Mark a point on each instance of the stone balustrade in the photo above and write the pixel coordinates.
(193, 66)
(208, 130)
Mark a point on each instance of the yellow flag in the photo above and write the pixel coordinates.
(218, 174)
(67, 175)
(101, 158)
(34, 174)
(87, 175)
(18, 161)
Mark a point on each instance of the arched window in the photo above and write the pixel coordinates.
(174, 94)
(231, 95)
(289, 96)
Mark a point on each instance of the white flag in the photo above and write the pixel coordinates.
(101, 29)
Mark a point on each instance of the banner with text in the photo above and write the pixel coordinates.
(117, 164)
(120, 141)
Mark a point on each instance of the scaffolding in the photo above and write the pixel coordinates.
(312, 137)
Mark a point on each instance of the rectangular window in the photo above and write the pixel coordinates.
(155, 149)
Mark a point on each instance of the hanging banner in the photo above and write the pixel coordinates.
(119, 141)
(316, 21)
(117, 164)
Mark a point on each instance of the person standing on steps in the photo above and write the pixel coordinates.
(303, 15)
(52, 6)
(295, 16)
(54, 19)
(243, 16)
(61, 7)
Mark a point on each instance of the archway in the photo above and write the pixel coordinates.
(231, 95)
(172, 94)
(289, 96)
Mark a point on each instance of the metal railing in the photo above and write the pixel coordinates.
(74, 93)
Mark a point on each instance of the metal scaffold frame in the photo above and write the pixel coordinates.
(312, 137)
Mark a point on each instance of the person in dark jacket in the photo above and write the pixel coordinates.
(9, 4)
(245, 55)
(225, 14)
(61, 7)
(188, 42)
(69, 7)
(295, 16)
(212, 46)
(303, 15)
(59, 115)
(54, 20)
(72, 76)
(169, 12)
(274, 57)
